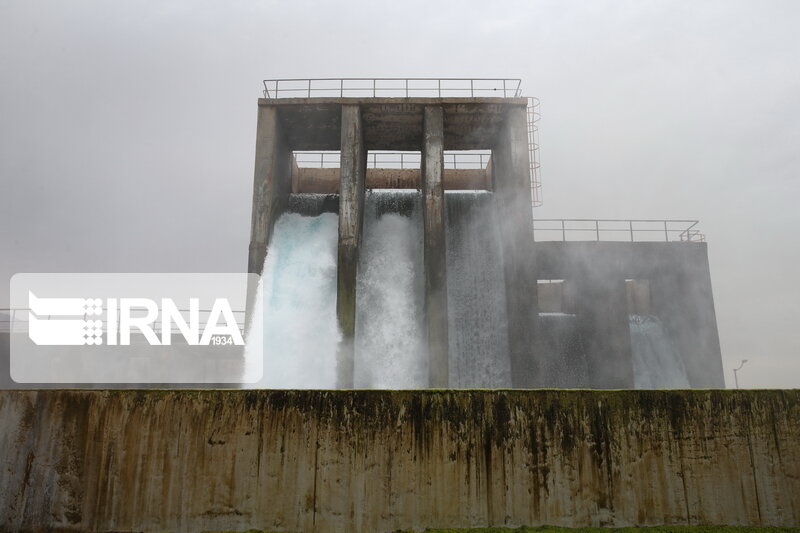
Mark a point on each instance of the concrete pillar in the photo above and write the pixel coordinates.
(271, 187)
(351, 215)
(434, 245)
(271, 184)
(602, 309)
(512, 190)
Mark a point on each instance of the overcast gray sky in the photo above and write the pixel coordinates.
(127, 128)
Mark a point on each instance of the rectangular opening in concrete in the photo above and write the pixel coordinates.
(318, 172)
(553, 296)
(637, 292)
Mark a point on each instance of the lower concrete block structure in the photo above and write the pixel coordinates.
(680, 296)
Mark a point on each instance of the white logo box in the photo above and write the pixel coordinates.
(89, 328)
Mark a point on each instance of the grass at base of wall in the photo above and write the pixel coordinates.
(554, 529)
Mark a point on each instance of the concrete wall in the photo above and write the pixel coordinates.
(679, 294)
(381, 460)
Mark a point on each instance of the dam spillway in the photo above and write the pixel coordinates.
(463, 236)
(300, 289)
(300, 284)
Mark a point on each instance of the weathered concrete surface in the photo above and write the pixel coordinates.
(434, 250)
(382, 460)
(351, 220)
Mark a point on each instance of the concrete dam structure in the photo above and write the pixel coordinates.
(392, 228)
(427, 270)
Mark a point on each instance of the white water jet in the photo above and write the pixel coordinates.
(476, 294)
(298, 314)
(390, 334)
(656, 363)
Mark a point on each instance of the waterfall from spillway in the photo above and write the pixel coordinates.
(390, 331)
(656, 363)
(562, 356)
(476, 303)
(301, 335)
(299, 303)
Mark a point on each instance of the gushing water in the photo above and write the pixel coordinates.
(300, 330)
(656, 363)
(301, 334)
(390, 347)
(476, 304)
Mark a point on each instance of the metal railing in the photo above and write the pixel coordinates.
(584, 229)
(395, 160)
(391, 87)
(15, 320)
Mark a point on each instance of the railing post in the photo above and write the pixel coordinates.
(406, 87)
(309, 88)
(597, 229)
(471, 89)
(374, 90)
(666, 233)
(563, 231)
(630, 223)
(504, 88)
(341, 88)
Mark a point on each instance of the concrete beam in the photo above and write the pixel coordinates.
(351, 216)
(392, 123)
(326, 180)
(434, 245)
(512, 188)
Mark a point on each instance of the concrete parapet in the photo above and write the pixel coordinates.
(378, 461)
